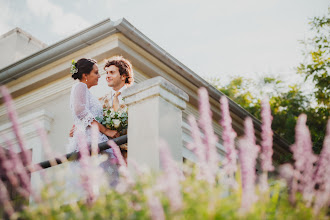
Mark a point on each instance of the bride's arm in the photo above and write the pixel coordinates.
(82, 112)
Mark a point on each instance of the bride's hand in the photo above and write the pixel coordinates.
(112, 133)
(71, 131)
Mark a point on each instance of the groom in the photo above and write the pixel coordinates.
(119, 77)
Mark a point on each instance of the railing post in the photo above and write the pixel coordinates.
(154, 112)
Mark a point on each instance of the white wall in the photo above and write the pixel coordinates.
(17, 44)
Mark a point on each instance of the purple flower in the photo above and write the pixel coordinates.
(172, 176)
(18, 170)
(248, 153)
(228, 137)
(267, 137)
(5, 200)
(117, 153)
(304, 158)
(88, 178)
(290, 175)
(198, 147)
(26, 157)
(126, 181)
(322, 176)
(6, 168)
(210, 139)
(45, 144)
(266, 144)
(155, 206)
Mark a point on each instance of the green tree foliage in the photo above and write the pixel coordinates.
(287, 103)
(317, 54)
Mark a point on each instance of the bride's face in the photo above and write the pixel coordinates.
(93, 77)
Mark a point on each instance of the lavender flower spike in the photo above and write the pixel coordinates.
(87, 174)
(197, 145)
(228, 137)
(304, 158)
(210, 139)
(6, 168)
(199, 149)
(322, 177)
(5, 200)
(14, 119)
(19, 170)
(248, 152)
(155, 206)
(267, 137)
(117, 153)
(266, 144)
(172, 175)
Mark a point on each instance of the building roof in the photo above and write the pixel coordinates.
(17, 44)
(20, 31)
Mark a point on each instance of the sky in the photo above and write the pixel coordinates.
(214, 38)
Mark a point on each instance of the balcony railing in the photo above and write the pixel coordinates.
(76, 154)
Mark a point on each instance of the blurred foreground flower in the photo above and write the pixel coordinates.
(193, 192)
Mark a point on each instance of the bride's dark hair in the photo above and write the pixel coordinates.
(83, 66)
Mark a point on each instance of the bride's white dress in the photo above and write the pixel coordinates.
(85, 108)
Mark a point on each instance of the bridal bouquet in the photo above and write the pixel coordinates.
(115, 120)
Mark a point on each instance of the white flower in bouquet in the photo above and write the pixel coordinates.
(116, 123)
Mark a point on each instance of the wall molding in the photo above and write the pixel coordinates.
(27, 126)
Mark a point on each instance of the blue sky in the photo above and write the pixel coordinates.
(212, 37)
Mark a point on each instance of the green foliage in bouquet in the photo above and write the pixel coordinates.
(114, 120)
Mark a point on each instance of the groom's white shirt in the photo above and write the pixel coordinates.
(111, 95)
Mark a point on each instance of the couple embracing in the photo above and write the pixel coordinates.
(86, 108)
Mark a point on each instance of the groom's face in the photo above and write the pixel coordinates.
(114, 79)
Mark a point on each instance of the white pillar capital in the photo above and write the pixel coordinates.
(157, 86)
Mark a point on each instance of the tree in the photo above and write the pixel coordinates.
(317, 58)
(287, 103)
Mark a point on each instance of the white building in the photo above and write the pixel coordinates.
(39, 80)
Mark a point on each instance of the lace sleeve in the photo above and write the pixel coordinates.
(80, 105)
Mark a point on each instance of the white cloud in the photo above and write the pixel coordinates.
(5, 16)
(62, 23)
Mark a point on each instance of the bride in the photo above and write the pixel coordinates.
(85, 108)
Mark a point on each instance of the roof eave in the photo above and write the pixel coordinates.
(56, 51)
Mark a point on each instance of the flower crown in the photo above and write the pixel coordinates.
(73, 69)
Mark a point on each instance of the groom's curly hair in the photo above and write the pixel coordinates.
(124, 66)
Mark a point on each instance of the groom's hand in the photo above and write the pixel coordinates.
(71, 131)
